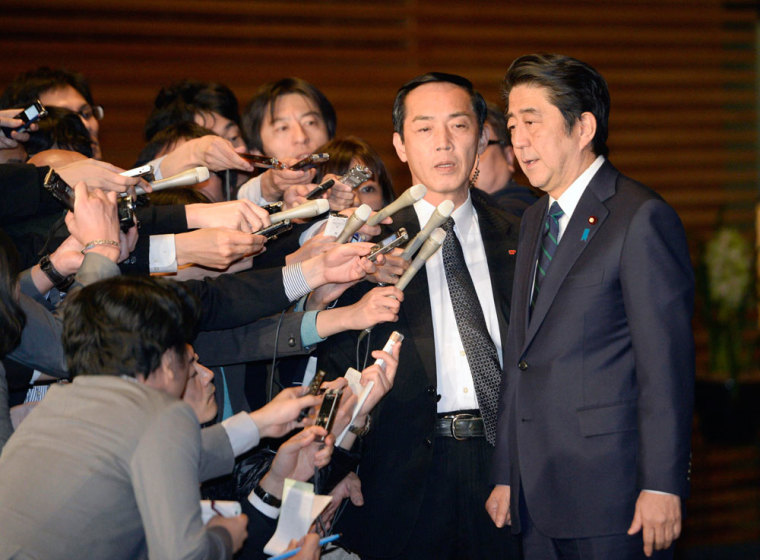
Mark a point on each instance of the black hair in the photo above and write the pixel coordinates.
(572, 86)
(123, 325)
(343, 150)
(182, 101)
(12, 318)
(498, 122)
(399, 104)
(62, 129)
(27, 87)
(264, 101)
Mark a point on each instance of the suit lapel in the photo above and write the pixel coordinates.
(420, 323)
(579, 233)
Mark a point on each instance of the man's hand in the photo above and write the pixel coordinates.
(94, 217)
(497, 505)
(6, 119)
(274, 182)
(313, 247)
(237, 527)
(379, 305)
(350, 487)
(343, 263)
(340, 195)
(297, 457)
(210, 151)
(100, 175)
(242, 215)
(278, 416)
(390, 271)
(310, 549)
(216, 247)
(658, 516)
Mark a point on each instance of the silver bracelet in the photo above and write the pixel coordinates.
(97, 242)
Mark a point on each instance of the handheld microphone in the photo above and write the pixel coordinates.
(407, 198)
(184, 179)
(306, 210)
(439, 216)
(319, 189)
(428, 249)
(354, 222)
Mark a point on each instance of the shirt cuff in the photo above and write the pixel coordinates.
(251, 190)
(242, 431)
(659, 492)
(270, 511)
(156, 165)
(163, 253)
(294, 282)
(309, 334)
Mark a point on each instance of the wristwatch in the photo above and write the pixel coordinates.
(60, 281)
(363, 431)
(266, 497)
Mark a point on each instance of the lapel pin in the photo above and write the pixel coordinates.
(512, 251)
(592, 220)
(586, 231)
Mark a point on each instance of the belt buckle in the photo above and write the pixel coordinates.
(454, 420)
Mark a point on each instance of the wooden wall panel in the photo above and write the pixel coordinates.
(681, 72)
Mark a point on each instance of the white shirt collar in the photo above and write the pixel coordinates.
(568, 200)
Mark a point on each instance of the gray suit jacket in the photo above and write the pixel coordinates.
(107, 468)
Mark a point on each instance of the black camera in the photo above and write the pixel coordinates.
(63, 193)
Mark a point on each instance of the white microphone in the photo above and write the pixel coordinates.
(184, 179)
(439, 216)
(305, 210)
(428, 249)
(407, 198)
(354, 222)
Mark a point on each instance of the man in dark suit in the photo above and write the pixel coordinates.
(425, 458)
(592, 453)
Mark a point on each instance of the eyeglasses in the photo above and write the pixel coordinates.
(88, 112)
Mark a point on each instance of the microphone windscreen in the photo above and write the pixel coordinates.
(407, 198)
(354, 222)
(306, 210)
(439, 216)
(184, 179)
(429, 247)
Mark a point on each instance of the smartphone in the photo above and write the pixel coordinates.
(309, 161)
(144, 171)
(326, 414)
(265, 162)
(388, 244)
(273, 231)
(31, 114)
(314, 386)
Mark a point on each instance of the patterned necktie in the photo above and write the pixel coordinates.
(478, 345)
(549, 243)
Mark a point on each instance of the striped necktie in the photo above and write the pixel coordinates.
(549, 243)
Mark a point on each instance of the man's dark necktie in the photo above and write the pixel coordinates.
(478, 345)
(549, 243)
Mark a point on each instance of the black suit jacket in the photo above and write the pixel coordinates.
(397, 452)
(597, 397)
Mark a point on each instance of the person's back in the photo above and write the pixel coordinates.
(80, 455)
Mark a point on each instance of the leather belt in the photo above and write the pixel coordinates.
(460, 426)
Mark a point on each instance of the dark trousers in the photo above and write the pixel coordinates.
(537, 546)
(453, 523)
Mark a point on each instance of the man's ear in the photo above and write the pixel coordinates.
(163, 375)
(509, 155)
(483, 140)
(587, 127)
(398, 143)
